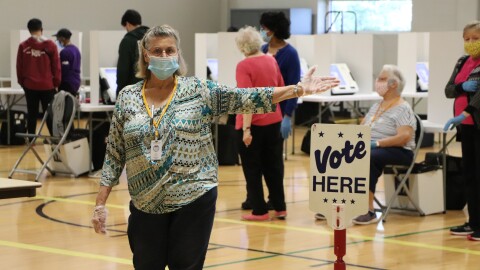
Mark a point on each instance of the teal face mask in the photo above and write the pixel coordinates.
(264, 35)
(163, 67)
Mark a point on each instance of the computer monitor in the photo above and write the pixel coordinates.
(303, 67)
(347, 84)
(108, 84)
(212, 64)
(422, 76)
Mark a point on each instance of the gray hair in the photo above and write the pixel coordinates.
(475, 25)
(394, 75)
(249, 40)
(156, 32)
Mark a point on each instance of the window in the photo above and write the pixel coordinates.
(378, 15)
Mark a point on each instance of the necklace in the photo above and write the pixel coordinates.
(380, 111)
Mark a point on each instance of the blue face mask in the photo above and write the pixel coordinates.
(59, 45)
(264, 35)
(163, 67)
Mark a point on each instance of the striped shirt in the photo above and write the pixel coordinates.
(388, 122)
(188, 166)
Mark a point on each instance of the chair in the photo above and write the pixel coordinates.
(58, 118)
(402, 174)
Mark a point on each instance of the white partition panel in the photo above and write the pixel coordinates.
(304, 44)
(228, 58)
(205, 47)
(324, 54)
(17, 36)
(385, 48)
(103, 53)
(412, 48)
(356, 50)
(444, 50)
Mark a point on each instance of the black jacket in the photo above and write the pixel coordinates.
(128, 57)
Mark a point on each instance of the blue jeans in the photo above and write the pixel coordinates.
(178, 239)
(381, 157)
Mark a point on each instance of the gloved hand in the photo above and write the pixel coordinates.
(470, 86)
(314, 84)
(453, 122)
(286, 127)
(99, 219)
(373, 144)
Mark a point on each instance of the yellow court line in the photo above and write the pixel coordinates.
(65, 252)
(300, 229)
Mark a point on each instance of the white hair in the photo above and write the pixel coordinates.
(249, 40)
(394, 75)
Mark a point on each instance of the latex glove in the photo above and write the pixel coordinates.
(99, 219)
(314, 84)
(286, 127)
(470, 86)
(247, 137)
(373, 144)
(453, 122)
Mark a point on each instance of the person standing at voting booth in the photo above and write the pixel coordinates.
(128, 49)
(161, 131)
(275, 29)
(38, 71)
(260, 141)
(463, 86)
(393, 124)
(70, 60)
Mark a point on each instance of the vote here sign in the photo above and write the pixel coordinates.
(339, 169)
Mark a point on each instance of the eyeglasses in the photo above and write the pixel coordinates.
(159, 52)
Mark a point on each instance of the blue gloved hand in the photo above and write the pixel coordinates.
(286, 127)
(453, 122)
(373, 144)
(470, 86)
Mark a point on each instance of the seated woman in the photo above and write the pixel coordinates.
(393, 125)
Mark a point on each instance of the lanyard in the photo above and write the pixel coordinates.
(150, 113)
(379, 113)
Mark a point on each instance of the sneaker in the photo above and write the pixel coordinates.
(368, 218)
(252, 217)
(246, 205)
(475, 236)
(319, 216)
(461, 230)
(280, 214)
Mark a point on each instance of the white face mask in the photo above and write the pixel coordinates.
(381, 87)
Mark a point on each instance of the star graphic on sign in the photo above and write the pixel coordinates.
(360, 135)
(340, 135)
(334, 200)
(344, 201)
(325, 200)
(321, 134)
(352, 201)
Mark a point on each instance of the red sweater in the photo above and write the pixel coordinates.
(38, 64)
(259, 71)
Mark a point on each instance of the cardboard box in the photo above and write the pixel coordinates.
(72, 158)
(425, 188)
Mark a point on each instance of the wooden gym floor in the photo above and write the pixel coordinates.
(53, 231)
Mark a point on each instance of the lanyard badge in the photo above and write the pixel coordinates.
(156, 144)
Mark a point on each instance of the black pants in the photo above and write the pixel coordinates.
(33, 97)
(471, 171)
(264, 158)
(178, 240)
(381, 157)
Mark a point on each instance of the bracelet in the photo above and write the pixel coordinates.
(295, 90)
(245, 129)
(377, 143)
